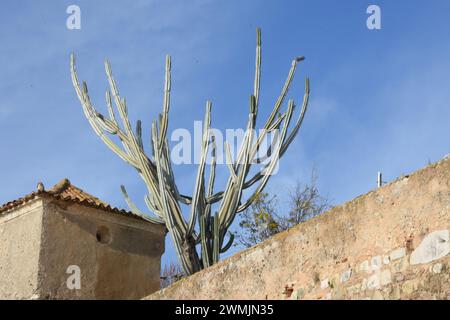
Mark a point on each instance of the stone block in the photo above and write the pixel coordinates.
(373, 282)
(365, 266)
(397, 254)
(399, 277)
(346, 275)
(324, 284)
(409, 287)
(437, 268)
(376, 263)
(434, 246)
(400, 265)
(385, 277)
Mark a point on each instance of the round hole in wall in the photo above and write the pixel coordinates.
(103, 235)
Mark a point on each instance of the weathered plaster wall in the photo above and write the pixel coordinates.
(392, 243)
(118, 257)
(20, 239)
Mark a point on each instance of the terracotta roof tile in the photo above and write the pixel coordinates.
(65, 191)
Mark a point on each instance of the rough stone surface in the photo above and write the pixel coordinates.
(373, 282)
(20, 241)
(385, 277)
(437, 268)
(397, 254)
(118, 257)
(344, 238)
(376, 263)
(365, 267)
(346, 275)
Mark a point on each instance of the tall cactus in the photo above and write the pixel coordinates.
(202, 229)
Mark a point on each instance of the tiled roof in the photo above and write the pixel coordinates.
(65, 191)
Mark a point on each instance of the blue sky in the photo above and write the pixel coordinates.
(379, 98)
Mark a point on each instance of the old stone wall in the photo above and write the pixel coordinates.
(118, 257)
(20, 240)
(392, 243)
(46, 244)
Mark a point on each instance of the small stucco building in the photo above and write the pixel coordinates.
(64, 243)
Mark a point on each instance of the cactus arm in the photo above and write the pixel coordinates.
(112, 116)
(204, 242)
(171, 211)
(170, 187)
(199, 183)
(275, 126)
(271, 125)
(185, 199)
(152, 206)
(216, 238)
(170, 223)
(144, 163)
(226, 211)
(171, 175)
(275, 158)
(291, 137)
(135, 210)
(139, 135)
(284, 91)
(212, 173)
(228, 244)
(87, 109)
(166, 103)
(257, 81)
(229, 161)
(237, 190)
(215, 197)
(299, 120)
(205, 217)
(270, 121)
